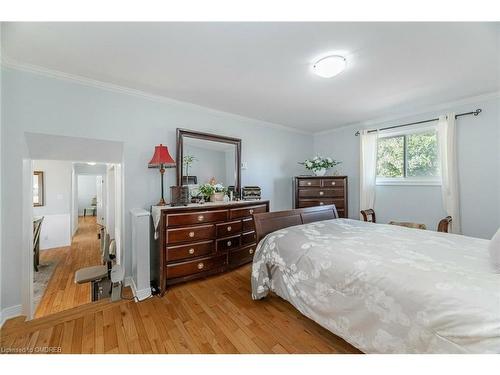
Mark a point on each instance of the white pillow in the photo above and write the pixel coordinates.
(495, 250)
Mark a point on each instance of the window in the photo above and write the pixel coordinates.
(408, 158)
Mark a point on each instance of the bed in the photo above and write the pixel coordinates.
(382, 288)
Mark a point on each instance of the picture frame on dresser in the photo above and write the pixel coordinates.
(311, 191)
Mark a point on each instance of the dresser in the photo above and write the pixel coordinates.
(312, 191)
(199, 240)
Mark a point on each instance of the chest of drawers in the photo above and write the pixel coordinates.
(201, 240)
(312, 191)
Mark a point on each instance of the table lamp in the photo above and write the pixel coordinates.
(161, 159)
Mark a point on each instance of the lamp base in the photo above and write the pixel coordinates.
(161, 202)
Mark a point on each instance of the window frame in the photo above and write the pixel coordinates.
(394, 181)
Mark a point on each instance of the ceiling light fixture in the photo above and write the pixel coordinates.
(91, 163)
(329, 66)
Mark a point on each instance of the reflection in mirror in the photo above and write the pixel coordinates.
(209, 164)
(205, 161)
(38, 188)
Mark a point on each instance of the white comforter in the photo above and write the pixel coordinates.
(384, 288)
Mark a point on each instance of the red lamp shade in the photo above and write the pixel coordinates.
(162, 157)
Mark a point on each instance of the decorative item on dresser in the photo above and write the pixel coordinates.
(202, 239)
(318, 191)
(250, 193)
(161, 159)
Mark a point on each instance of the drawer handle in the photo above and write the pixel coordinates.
(251, 212)
(321, 203)
(308, 184)
(191, 251)
(333, 182)
(200, 217)
(200, 265)
(229, 228)
(250, 251)
(321, 193)
(191, 234)
(229, 243)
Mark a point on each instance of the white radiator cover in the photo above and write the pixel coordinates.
(140, 282)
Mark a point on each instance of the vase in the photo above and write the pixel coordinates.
(217, 197)
(320, 172)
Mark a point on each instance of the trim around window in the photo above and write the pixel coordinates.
(408, 181)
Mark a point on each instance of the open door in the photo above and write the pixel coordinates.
(100, 200)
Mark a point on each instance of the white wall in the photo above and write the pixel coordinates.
(56, 226)
(41, 104)
(86, 191)
(479, 169)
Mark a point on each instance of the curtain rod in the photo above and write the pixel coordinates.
(475, 113)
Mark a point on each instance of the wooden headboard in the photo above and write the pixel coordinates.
(268, 222)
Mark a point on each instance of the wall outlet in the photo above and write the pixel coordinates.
(244, 165)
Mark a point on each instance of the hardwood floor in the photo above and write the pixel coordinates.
(214, 315)
(62, 293)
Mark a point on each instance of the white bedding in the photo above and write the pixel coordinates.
(384, 288)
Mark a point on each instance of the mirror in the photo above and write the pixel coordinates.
(38, 189)
(202, 158)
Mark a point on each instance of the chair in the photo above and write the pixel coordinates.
(99, 276)
(368, 215)
(408, 224)
(37, 228)
(444, 224)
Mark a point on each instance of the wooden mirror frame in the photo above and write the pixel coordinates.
(41, 189)
(181, 133)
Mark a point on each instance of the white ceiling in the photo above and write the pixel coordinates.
(262, 70)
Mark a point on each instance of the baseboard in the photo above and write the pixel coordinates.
(10, 312)
(141, 294)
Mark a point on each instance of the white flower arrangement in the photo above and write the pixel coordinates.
(317, 163)
(219, 188)
(208, 189)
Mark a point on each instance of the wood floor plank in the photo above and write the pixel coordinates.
(61, 292)
(213, 315)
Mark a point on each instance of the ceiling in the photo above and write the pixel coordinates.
(263, 70)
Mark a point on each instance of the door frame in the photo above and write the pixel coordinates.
(27, 271)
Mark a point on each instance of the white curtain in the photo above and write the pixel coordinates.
(449, 170)
(368, 169)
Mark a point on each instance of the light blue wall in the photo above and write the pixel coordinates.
(479, 172)
(40, 104)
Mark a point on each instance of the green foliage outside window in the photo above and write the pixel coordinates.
(421, 156)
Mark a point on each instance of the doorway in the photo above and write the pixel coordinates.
(65, 239)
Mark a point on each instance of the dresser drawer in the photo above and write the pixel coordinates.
(237, 213)
(321, 193)
(227, 229)
(228, 243)
(195, 266)
(192, 250)
(201, 232)
(241, 256)
(196, 218)
(248, 224)
(339, 203)
(309, 182)
(248, 238)
(330, 182)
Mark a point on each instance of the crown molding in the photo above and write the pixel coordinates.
(50, 73)
(34, 69)
(404, 115)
